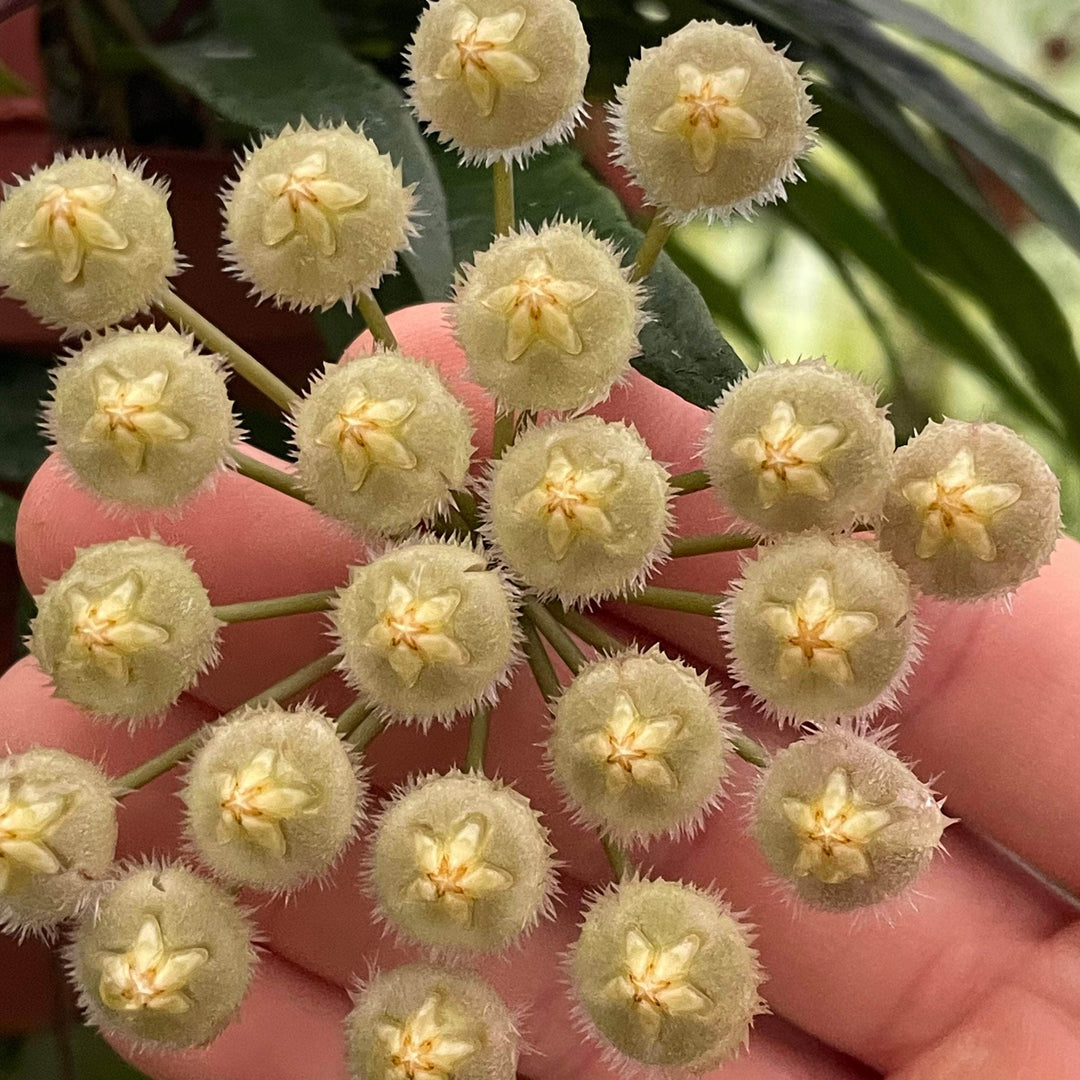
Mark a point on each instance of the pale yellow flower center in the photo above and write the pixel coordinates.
(422, 1047)
(28, 817)
(833, 831)
(367, 432)
(632, 747)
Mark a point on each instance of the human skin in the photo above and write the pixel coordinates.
(980, 979)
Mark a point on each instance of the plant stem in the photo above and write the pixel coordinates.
(240, 360)
(685, 600)
(289, 687)
(540, 663)
(478, 734)
(749, 750)
(352, 717)
(583, 627)
(372, 725)
(368, 306)
(706, 545)
(301, 604)
(257, 470)
(503, 436)
(651, 245)
(555, 633)
(622, 866)
(687, 482)
(502, 175)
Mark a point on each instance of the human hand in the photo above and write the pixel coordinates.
(980, 981)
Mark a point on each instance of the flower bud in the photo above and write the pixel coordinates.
(57, 834)
(272, 798)
(461, 862)
(579, 509)
(548, 319)
(844, 821)
(800, 446)
(712, 121)
(498, 82)
(429, 1023)
(428, 630)
(316, 215)
(382, 442)
(141, 416)
(165, 959)
(86, 242)
(639, 746)
(126, 629)
(665, 975)
(972, 510)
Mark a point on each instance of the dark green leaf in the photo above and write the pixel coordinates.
(269, 64)
(682, 348)
(24, 382)
(9, 511)
(94, 1058)
(10, 83)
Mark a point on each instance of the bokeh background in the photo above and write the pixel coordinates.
(934, 248)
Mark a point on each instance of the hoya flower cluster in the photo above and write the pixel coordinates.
(470, 569)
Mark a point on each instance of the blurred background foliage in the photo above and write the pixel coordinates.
(934, 247)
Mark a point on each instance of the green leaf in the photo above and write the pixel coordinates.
(9, 512)
(935, 30)
(682, 348)
(268, 64)
(11, 85)
(24, 383)
(94, 1058)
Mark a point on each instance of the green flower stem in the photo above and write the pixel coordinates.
(240, 360)
(687, 482)
(257, 470)
(684, 600)
(556, 634)
(581, 626)
(540, 663)
(622, 866)
(749, 750)
(478, 735)
(352, 717)
(653, 243)
(289, 687)
(505, 425)
(368, 306)
(302, 603)
(706, 545)
(366, 732)
(502, 175)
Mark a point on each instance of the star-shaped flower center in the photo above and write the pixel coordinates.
(656, 980)
(69, 223)
(539, 307)
(571, 501)
(149, 975)
(955, 506)
(365, 433)
(632, 747)
(787, 456)
(105, 630)
(128, 414)
(422, 1048)
(706, 112)
(257, 798)
(307, 202)
(412, 632)
(833, 831)
(480, 54)
(815, 635)
(452, 869)
(27, 818)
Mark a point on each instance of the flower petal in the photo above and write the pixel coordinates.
(808, 480)
(97, 232)
(988, 499)
(557, 327)
(384, 449)
(834, 665)
(279, 221)
(510, 68)
(497, 29)
(812, 445)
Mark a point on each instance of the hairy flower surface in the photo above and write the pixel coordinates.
(141, 416)
(316, 215)
(382, 442)
(712, 121)
(428, 630)
(498, 79)
(57, 835)
(799, 446)
(461, 862)
(126, 629)
(579, 509)
(639, 745)
(548, 318)
(820, 628)
(86, 241)
(166, 958)
(972, 512)
(272, 798)
(844, 821)
(665, 975)
(419, 1022)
